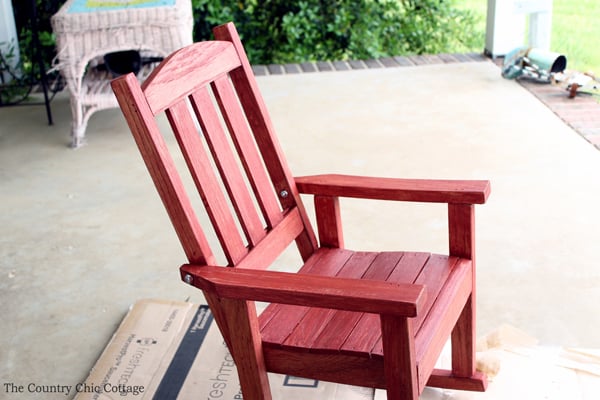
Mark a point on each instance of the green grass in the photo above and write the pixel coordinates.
(575, 30)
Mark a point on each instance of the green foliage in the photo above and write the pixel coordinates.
(45, 9)
(12, 87)
(21, 77)
(280, 31)
(284, 31)
(437, 26)
(343, 29)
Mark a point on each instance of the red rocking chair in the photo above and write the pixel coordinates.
(374, 319)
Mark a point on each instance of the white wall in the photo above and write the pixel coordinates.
(506, 21)
(8, 33)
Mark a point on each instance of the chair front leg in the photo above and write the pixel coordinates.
(463, 342)
(461, 226)
(246, 348)
(399, 360)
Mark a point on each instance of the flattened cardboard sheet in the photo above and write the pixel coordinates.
(174, 350)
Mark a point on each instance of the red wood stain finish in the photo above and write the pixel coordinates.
(377, 319)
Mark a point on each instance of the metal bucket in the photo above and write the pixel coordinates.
(547, 60)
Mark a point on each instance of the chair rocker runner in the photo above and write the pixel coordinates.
(374, 319)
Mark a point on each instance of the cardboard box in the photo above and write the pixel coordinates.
(174, 350)
(518, 368)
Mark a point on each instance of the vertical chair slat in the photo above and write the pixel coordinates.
(228, 167)
(162, 169)
(246, 147)
(206, 181)
(260, 122)
(258, 116)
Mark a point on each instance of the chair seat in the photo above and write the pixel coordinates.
(325, 331)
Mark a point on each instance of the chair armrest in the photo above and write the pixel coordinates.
(307, 290)
(419, 190)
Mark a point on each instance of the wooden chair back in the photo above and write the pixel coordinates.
(213, 105)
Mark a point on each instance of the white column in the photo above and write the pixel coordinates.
(8, 35)
(505, 29)
(540, 24)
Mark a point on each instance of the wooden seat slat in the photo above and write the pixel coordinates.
(273, 309)
(316, 320)
(329, 263)
(383, 265)
(433, 276)
(344, 322)
(406, 270)
(324, 330)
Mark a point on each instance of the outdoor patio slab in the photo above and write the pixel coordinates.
(83, 234)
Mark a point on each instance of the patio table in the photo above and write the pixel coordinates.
(85, 30)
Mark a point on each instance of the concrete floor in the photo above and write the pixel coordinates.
(83, 234)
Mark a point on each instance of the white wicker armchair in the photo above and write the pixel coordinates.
(84, 34)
